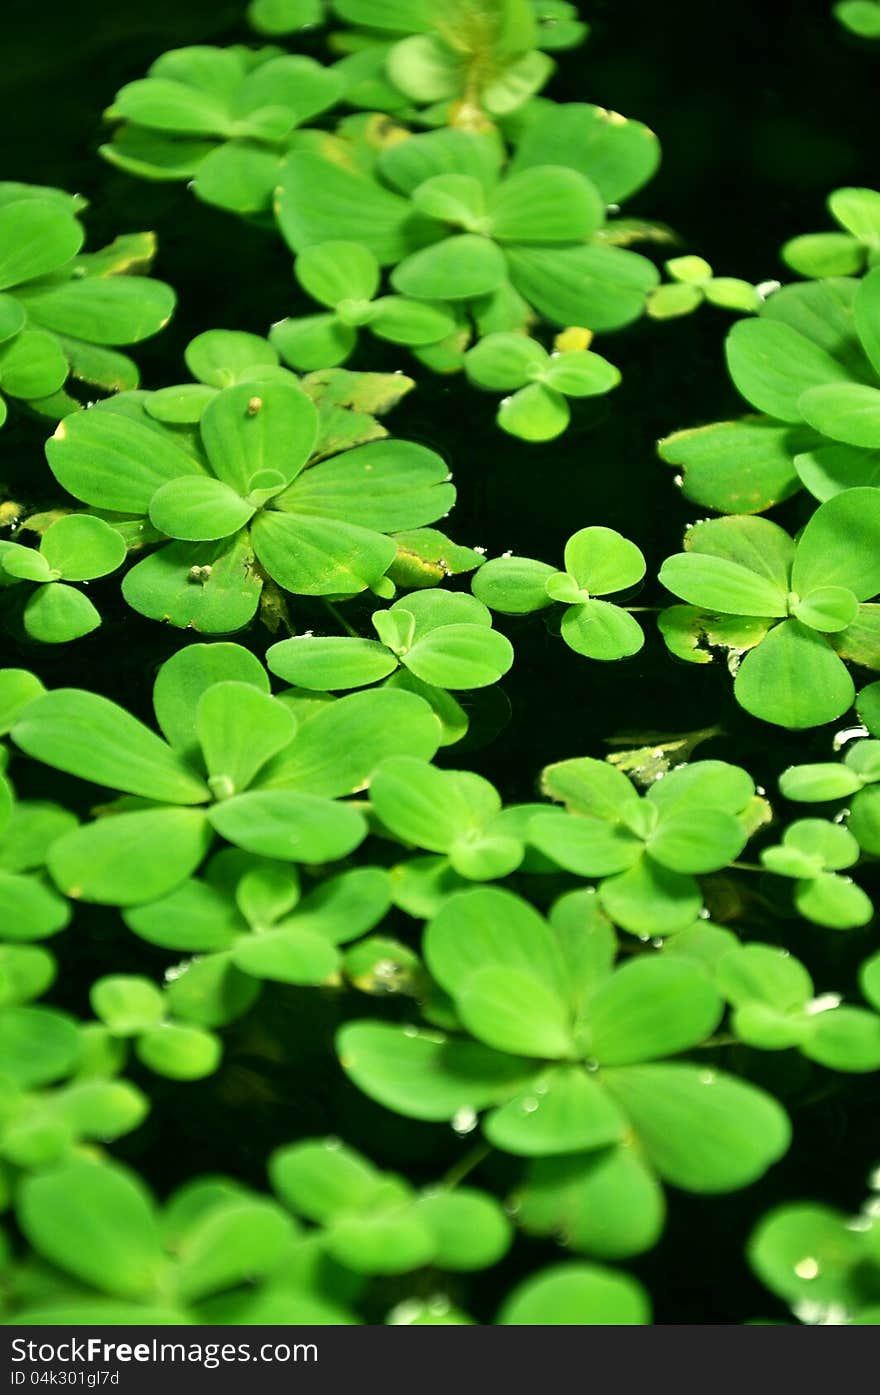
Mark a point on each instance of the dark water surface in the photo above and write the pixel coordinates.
(761, 109)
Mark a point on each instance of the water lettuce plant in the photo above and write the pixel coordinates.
(220, 118)
(598, 562)
(381, 966)
(239, 506)
(63, 311)
(807, 601)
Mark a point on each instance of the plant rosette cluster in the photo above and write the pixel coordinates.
(693, 282)
(235, 762)
(465, 62)
(222, 119)
(800, 606)
(810, 361)
(775, 1009)
(856, 246)
(219, 1252)
(234, 504)
(598, 562)
(499, 242)
(570, 1056)
(647, 849)
(63, 311)
(823, 1263)
(813, 853)
(75, 547)
(441, 638)
(539, 383)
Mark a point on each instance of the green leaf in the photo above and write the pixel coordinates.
(601, 631)
(840, 546)
(651, 900)
(213, 588)
(848, 412)
(697, 841)
(484, 927)
(103, 309)
(460, 656)
(535, 413)
(57, 613)
(827, 609)
(95, 1222)
(30, 910)
(804, 1252)
(32, 365)
(126, 1003)
(322, 1180)
(318, 557)
(514, 1011)
(470, 1229)
(618, 155)
(589, 786)
(326, 663)
(289, 825)
(89, 736)
(459, 199)
(188, 674)
(287, 954)
(846, 1039)
(545, 203)
(81, 547)
(588, 846)
(504, 361)
(576, 1295)
(114, 462)
(318, 200)
(422, 1074)
(565, 1111)
(606, 1203)
(94, 862)
(162, 104)
(833, 901)
(602, 287)
(823, 254)
(794, 679)
(179, 1052)
(738, 467)
(458, 268)
(198, 509)
(222, 357)
(234, 1243)
(336, 751)
(721, 585)
(255, 427)
(703, 1131)
(430, 807)
(648, 1009)
(405, 321)
(817, 783)
(238, 177)
(37, 237)
(37, 1046)
(513, 585)
(313, 341)
(581, 373)
(239, 729)
(387, 485)
(773, 365)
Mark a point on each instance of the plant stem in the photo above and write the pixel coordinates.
(341, 620)
(465, 1165)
